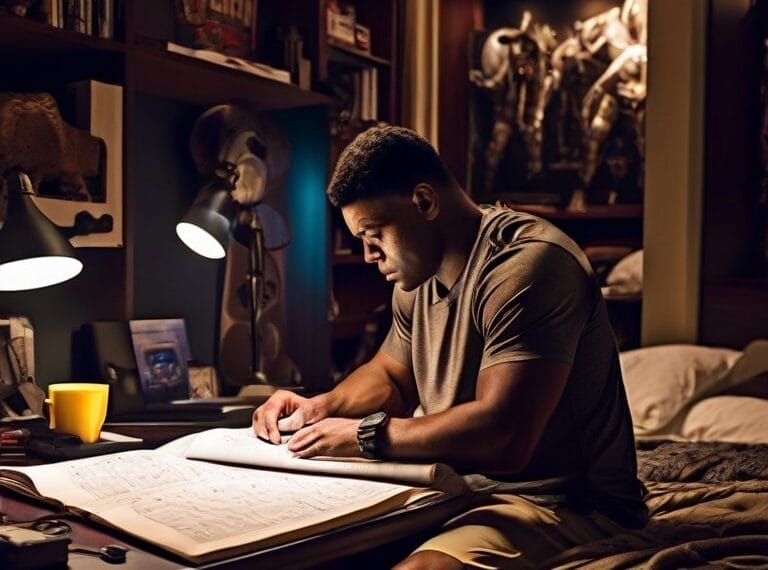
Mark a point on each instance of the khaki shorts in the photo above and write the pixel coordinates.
(509, 531)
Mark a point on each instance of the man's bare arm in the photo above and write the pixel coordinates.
(380, 384)
(499, 429)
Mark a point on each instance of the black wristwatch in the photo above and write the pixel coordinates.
(369, 434)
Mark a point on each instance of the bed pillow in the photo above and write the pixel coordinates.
(626, 277)
(738, 419)
(662, 380)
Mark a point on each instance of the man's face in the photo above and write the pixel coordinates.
(396, 237)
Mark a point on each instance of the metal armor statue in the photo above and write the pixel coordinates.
(577, 62)
(621, 88)
(515, 74)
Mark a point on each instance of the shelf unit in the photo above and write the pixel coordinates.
(357, 289)
(595, 224)
(154, 276)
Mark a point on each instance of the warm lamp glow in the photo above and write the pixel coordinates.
(199, 240)
(33, 252)
(37, 272)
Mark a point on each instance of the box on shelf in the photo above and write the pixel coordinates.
(341, 22)
(363, 37)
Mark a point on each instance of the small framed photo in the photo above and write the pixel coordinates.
(162, 353)
(203, 382)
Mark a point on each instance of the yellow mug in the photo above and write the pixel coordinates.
(78, 408)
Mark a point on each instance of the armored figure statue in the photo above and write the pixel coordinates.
(515, 73)
(621, 88)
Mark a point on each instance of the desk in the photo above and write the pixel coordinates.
(377, 543)
(155, 433)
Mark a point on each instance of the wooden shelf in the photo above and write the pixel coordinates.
(156, 72)
(350, 55)
(188, 79)
(590, 212)
(23, 36)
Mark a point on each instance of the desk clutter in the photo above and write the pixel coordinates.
(13, 442)
(24, 440)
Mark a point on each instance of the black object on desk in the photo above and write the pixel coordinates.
(43, 442)
(29, 549)
(60, 446)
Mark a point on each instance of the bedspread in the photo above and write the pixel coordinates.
(710, 462)
(708, 506)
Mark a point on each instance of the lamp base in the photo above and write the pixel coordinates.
(256, 391)
(257, 394)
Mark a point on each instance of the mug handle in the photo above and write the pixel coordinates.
(51, 415)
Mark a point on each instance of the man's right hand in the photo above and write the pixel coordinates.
(286, 411)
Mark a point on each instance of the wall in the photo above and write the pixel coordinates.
(156, 276)
(169, 280)
(56, 312)
(172, 281)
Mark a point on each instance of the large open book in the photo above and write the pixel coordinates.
(224, 492)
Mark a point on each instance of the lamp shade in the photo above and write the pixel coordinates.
(33, 252)
(205, 227)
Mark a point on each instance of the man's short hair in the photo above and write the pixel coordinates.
(385, 161)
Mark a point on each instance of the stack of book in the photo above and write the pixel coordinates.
(92, 17)
(13, 442)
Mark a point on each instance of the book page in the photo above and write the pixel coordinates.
(205, 511)
(241, 446)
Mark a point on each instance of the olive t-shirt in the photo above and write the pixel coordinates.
(528, 292)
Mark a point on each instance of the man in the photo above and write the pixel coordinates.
(500, 361)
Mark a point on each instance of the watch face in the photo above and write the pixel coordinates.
(373, 420)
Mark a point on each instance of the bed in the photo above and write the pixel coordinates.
(701, 422)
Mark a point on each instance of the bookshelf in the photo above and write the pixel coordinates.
(357, 290)
(153, 275)
(361, 297)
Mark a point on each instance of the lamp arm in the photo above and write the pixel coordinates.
(256, 294)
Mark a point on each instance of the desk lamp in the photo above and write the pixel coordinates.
(33, 252)
(206, 229)
(226, 147)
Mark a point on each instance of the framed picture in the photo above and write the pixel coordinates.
(203, 382)
(162, 353)
(95, 219)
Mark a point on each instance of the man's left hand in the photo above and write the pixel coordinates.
(336, 437)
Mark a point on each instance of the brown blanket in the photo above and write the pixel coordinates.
(708, 505)
(710, 462)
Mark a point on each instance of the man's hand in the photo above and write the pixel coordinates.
(285, 411)
(335, 437)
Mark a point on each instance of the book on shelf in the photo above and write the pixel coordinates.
(233, 62)
(224, 492)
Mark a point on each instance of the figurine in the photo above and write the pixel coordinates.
(515, 73)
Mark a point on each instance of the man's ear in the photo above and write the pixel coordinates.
(425, 199)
